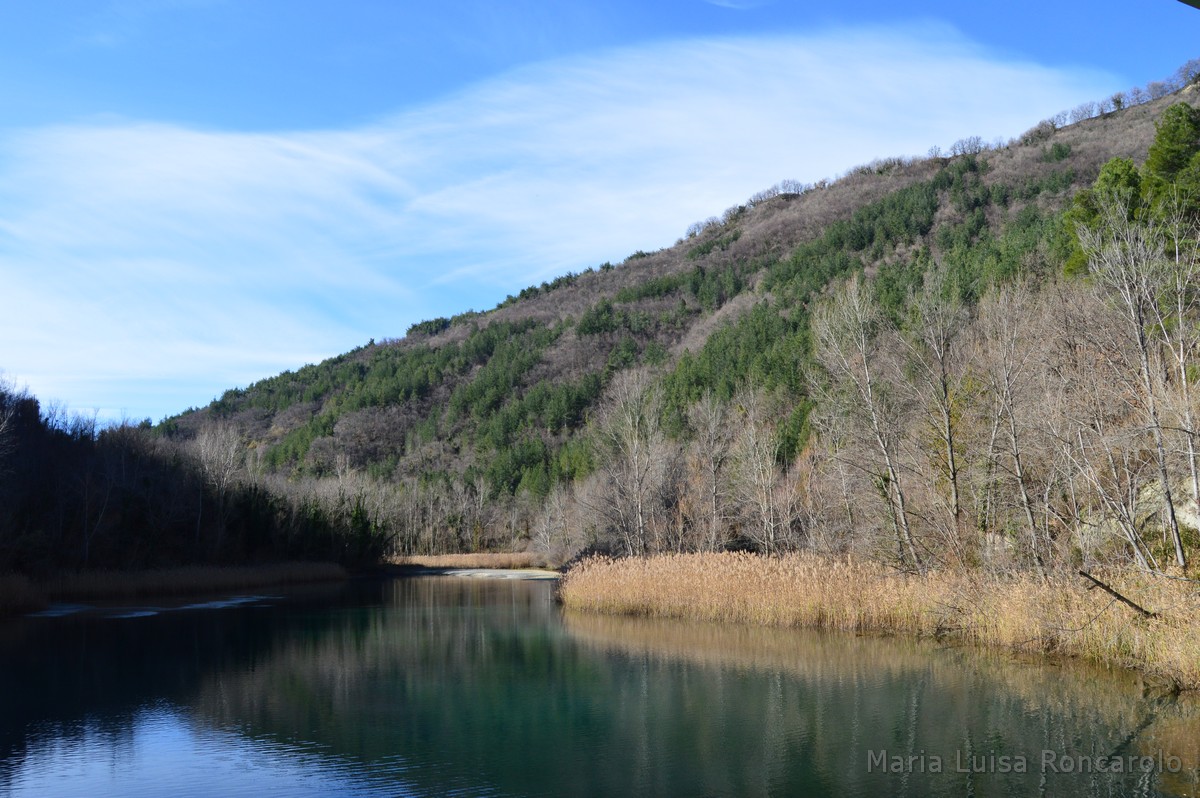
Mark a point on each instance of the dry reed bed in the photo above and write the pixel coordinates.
(807, 590)
(505, 560)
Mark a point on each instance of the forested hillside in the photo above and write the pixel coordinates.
(982, 356)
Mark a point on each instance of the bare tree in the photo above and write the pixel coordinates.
(1127, 257)
(847, 332)
(461, 512)
(971, 145)
(552, 527)
(219, 451)
(469, 513)
(709, 456)
(404, 511)
(1102, 433)
(935, 377)
(757, 475)
(1175, 317)
(9, 400)
(1188, 73)
(631, 441)
(1009, 341)
(1108, 459)
(1158, 88)
(671, 523)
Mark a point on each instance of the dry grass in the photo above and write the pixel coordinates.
(481, 560)
(186, 580)
(806, 590)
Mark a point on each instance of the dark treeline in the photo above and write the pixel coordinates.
(986, 358)
(78, 495)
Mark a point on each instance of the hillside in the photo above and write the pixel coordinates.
(505, 393)
(921, 361)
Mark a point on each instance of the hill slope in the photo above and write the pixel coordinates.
(720, 307)
(904, 362)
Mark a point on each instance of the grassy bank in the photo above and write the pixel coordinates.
(20, 594)
(1018, 612)
(504, 560)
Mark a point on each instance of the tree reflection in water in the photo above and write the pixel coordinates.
(431, 685)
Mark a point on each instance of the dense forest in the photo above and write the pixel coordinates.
(981, 357)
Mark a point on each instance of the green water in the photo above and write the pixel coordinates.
(453, 686)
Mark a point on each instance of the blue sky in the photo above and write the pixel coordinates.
(195, 194)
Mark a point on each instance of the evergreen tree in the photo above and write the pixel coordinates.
(1173, 161)
(1177, 141)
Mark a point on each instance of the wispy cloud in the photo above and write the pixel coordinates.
(739, 5)
(134, 251)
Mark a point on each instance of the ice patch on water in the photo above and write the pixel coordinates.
(502, 573)
(225, 603)
(59, 611)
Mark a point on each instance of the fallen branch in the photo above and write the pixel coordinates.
(1097, 583)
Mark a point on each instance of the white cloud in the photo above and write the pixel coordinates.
(739, 5)
(133, 250)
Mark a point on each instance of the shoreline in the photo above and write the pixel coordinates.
(504, 561)
(1019, 613)
(19, 594)
(535, 574)
(437, 566)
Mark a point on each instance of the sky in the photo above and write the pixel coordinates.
(197, 194)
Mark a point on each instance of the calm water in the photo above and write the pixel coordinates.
(452, 686)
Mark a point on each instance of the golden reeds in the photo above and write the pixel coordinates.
(1020, 612)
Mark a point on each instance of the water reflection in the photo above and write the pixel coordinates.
(161, 749)
(970, 708)
(430, 686)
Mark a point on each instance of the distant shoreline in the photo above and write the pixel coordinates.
(501, 573)
(20, 594)
(479, 560)
(481, 565)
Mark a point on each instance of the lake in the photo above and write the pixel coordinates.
(441, 685)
